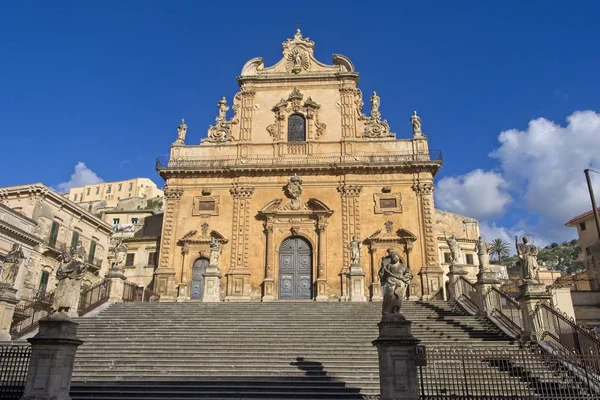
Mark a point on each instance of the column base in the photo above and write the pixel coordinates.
(531, 293)
(322, 290)
(268, 290)
(182, 292)
(117, 288)
(212, 285)
(356, 276)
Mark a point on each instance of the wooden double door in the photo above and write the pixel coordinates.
(295, 269)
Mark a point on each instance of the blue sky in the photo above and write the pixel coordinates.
(105, 83)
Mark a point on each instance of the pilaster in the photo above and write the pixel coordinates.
(165, 273)
(238, 276)
(244, 102)
(269, 283)
(182, 287)
(350, 196)
(375, 284)
(322, 260)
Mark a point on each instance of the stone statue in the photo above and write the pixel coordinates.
(455, 254)
(10, 267)
(355, 247)
(120, 255)
(395, 278)
(483, 253)
(222, 104)
(375, 102)
(79, 253)
(215, 251)
(181, 131)
(69, 276)
(415, 120)
(528, 258)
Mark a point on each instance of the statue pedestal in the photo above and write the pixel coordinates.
(182, 292)
(52, 358)
(238, 285)
(396, 347)
(322, 290)
(8, 302)
(531, 293)
(268, 288)
(212, 285)
(165, 284)
(456, 272)
(117, 286)
(431, 280)
(486, 280)
(67, 295)
(356, 276)
(376, 292)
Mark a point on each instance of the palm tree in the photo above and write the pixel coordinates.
(499, 248)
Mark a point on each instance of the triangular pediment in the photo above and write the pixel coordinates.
(389, 234)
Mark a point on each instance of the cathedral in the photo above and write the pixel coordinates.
(297, 193)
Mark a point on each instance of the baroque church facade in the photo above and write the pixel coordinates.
(290, 184)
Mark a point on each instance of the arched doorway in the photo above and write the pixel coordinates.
(198, 271)
(295, 269)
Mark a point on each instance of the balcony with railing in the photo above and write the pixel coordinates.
(297, 159)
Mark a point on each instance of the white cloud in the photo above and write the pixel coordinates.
(81, 176)
(542, 169)
(478, 194)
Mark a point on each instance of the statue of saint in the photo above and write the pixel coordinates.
(375, 102)
(528, 258)
(79, 253)
(222, 104)
(181, 131)
(215, 251)
(415, 120)
(355, 247)
(483, 253)
(10, 267)
(69, 276)
(455, 254)
(70, 267)
(120, 255)
(395, 278)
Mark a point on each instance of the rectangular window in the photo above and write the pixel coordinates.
(206, 205)
(74, 239)
(134, 220)
(98, 190)
(89, 207)
(92, 252)
(75, 197)
(130, 259)
(116, 221)
(387, 203)
(130, 186)
(87, 192)
(53, 234)
(582, 226)
(447, 258)
(43, 283)
(588, 251)
(469, 259)
(120, 187)
(152, 258)
(108, 189)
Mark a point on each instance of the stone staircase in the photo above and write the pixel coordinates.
(281, 350)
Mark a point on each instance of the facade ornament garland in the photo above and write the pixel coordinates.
(375, 127)
(221, 131)
(293, 105)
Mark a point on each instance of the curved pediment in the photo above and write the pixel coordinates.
(298, 58)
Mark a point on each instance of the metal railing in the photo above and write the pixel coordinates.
(307, 160)
(129, 292)
(467, 296)
(565, 334)
(504, 310)
(31, 313)
(93, 297)
(526, 372)
(14, 362)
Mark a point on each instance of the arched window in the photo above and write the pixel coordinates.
(296, 128)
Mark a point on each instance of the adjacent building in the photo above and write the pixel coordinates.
(588, 236)
(55, 224)
(287, 179)
(108, 194)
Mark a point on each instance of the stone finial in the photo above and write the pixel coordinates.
(375, 127)
(415, 120)
(221, 132)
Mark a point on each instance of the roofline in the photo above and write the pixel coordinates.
(576, 219)
(44, 191)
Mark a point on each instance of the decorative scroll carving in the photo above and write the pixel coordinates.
(293, 105)
(375, 127)
(221, 132)
(243, 105)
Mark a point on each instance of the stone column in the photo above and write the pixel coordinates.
(165, 273)
(531, 293)
(238, 275)
(182, 288)
(52, 357)
(375, 285)
(396, 347)
(269, 283)
(8, 302)
(321, 272)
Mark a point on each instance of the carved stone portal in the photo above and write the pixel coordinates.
(294, 105)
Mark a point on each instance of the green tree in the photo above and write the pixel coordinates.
(499, 248)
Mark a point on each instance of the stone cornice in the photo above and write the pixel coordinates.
(290, 79)
(41, 190)
(34, 240)
(141, 239)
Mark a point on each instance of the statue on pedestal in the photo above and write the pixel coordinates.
(69, 276)
(215, 252)
(483, 253)
(454, 249)
(11, 264)
(528, 258)
(181, 131)
(120, 255)
(355, 247)
(395, 278)
(415, 120)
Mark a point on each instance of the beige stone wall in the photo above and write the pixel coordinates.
(588, 238)
(141, 272)
(45, 206)
(112, 192)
